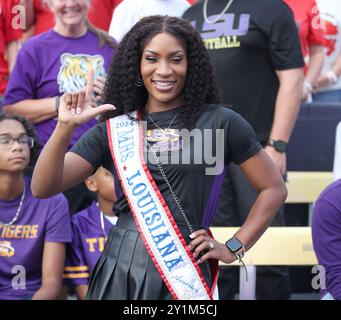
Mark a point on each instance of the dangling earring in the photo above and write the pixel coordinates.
(139, 81)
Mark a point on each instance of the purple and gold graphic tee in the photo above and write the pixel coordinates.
(49, 65)
(326, 232)
(88, 240)
(22, 244)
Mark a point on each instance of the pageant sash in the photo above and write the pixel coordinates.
(160, 233)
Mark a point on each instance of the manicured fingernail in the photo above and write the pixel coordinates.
(199, 261)
(194, 255)
(189, 246)
(78, 111)
(73, 111)
(192, 236)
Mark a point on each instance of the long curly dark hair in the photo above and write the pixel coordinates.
(30, 131)
(200, 88)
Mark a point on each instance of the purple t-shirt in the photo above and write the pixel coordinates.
(49, 65)
(22, 244)
(326, 230)
(88, 240)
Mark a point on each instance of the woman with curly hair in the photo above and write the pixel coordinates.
(164, 124)
(33, 232)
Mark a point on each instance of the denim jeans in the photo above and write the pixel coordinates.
(327, 96)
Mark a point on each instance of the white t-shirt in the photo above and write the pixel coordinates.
(128, 12)
(330, 12)
(112, 220)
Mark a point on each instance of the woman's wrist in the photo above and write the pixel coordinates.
(228, 256)
(65, 129)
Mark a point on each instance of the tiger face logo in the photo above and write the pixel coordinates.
(74, 69)
(6, 249)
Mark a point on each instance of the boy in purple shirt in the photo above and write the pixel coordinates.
(326, 230)
(90, 229)
(33, 232)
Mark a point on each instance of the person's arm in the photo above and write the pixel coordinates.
(67, 170)
(29, 13)
(337, 66)
(35, 110)
(52, 272)
(265, 178)
(39, 110)
(81, 291)
(331, 76)
(11, 34)
(75, 261)
(22, 86)
(314, 69)
(11, 54)
(29, 19)
(287, 106)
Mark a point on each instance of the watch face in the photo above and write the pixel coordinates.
(280, 145)
(234, 245)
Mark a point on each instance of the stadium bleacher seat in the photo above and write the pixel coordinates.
(311, 146)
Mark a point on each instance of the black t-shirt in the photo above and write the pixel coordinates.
(247, 45)
(197, 191)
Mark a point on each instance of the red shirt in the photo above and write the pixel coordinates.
(307, 17)
(44, 18)
(100, 14)
(8, 33)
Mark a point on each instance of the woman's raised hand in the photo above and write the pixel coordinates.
(76, 108)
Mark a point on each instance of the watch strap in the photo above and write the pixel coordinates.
(278, 145)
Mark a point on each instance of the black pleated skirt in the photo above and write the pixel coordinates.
(125, 270)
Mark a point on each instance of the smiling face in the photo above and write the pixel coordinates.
(163, 71)
(14, 157)
(69, 13)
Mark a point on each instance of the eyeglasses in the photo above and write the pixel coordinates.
(7, 141)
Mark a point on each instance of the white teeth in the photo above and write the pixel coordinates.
(164, 84)
(71, 11)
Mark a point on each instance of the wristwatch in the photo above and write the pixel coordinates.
(279, 145)
(236, 247)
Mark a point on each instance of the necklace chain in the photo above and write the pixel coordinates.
(219, 16)
(163, 130)
(163, 174)
(15, 218)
